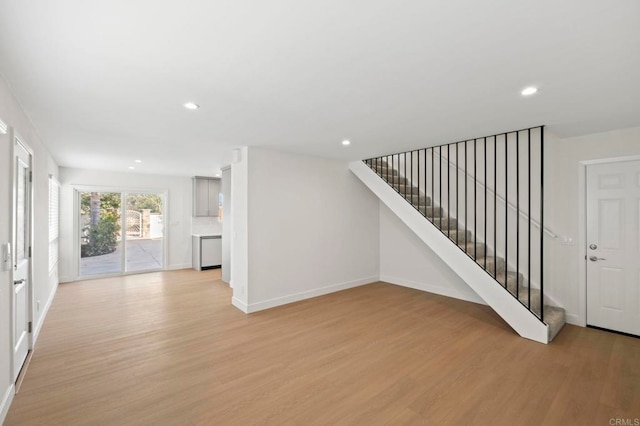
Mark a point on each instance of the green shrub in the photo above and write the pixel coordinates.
(102, 238)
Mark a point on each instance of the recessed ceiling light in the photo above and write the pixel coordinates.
(528, 91)
(131, 168)
(346, 142)
(191, 105)
(138, 161)
(217, 174)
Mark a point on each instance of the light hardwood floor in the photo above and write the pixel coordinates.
(169, 349)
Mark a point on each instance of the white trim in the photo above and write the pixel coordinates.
(435, 289)
(573, 319)
(45, 311)
(611, 160)
(179, 266)
(296, 297)
(581, 318)
(582, 245)
(7, 399)
(240, 305)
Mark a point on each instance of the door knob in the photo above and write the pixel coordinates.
(18, 282)
(593, 246)
(596, 258)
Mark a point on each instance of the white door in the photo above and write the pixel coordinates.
(21, 259)
(613, 246)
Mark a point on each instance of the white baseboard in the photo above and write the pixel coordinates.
(574, 319)
(45, 310)
(63, 280)
(296, 297)
(6, 402)
(430, 288)
(179, 266)
(240, 305)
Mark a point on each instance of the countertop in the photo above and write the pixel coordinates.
(206, 235)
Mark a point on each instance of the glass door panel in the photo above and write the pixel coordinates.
(100, 236)
(144, 232)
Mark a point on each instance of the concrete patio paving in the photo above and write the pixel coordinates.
(142, 255)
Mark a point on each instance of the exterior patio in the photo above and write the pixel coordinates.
(142, 254)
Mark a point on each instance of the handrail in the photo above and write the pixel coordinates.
(418, 186)
(535, 223)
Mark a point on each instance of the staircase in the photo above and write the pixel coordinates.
(426, 189)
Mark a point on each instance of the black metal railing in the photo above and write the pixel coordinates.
(484, 194)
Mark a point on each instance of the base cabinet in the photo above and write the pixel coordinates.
(207, 252)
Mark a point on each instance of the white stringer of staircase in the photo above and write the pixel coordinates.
(509, 308)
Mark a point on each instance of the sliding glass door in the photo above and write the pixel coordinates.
(120, 232)
(145, 232)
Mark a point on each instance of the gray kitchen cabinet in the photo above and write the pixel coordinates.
(205, 196)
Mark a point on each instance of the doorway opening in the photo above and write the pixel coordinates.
(120, 232)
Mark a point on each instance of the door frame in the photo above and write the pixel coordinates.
(77, 189)
(582, 226)
(15, 137)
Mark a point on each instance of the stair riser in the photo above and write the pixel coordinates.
(473, 251)
(511, 280)
(419, 200)
(396, 180)
(523, 296)
(406, 189)
(457, 236)
(490, 264)
(431, 212)
(444, 224)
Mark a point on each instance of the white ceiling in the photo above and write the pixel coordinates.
(104, 81)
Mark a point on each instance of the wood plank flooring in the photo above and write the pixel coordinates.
(169, 349)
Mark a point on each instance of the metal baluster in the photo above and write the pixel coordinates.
(518, 218)
(506, 212)
(440, 185)
(466, 199)
(495, 206)
(485, 204)
(448, 192)
(425, 178)
(457, 189)
(542, 223)
(475, 202)
(529, 216)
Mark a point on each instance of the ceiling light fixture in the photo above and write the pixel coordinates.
(346, 142)
(138, 161)
(131, 168)
(528, 91)
(191, 105)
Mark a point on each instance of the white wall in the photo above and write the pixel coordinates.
(564, 202)
(239, 228)
(44, 282)
(312, 228)
(407, 261)
(177, 223)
